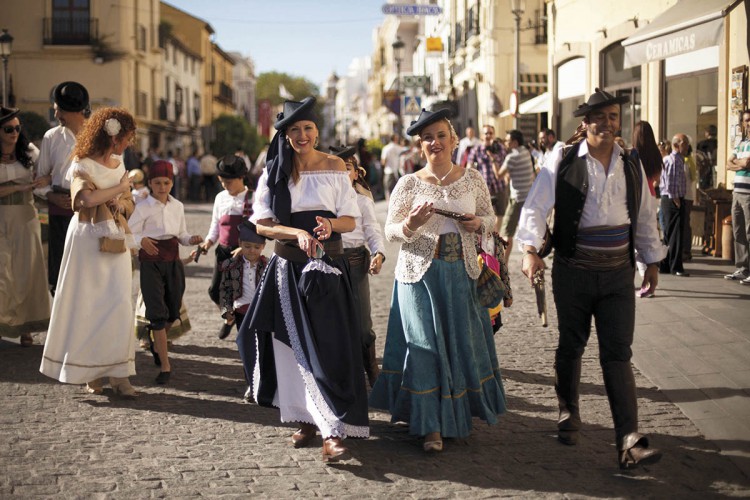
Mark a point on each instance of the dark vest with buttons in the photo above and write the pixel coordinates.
(570, 196)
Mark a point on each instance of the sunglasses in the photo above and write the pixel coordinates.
(9, 129)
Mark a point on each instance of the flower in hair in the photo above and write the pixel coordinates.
(112, 126)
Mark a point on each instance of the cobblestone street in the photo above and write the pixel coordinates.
(196, 437)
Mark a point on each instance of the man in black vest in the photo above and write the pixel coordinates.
(603, 213)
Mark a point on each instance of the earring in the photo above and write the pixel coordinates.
(316, 143)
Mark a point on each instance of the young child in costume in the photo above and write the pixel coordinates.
(231, 207)
(240, 277)
(364, 249)
(158, 225)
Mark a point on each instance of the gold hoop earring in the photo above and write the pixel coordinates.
(317, 141)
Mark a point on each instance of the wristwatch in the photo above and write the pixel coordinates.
(381, 254)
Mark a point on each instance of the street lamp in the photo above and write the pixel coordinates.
(6, 42)
(398, 55)
(517, 7)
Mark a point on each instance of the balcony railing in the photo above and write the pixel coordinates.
(69, 31)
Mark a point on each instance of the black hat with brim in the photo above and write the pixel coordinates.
(427, 118)
(8, 113)
(599, 99)
(231, 167)
(295, 111)
(249, 233)
(342, 152)
(71, 96)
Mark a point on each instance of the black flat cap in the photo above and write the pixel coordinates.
(71, 96)
(231, 167)
(599, 99)
(295, 111)
(249, 233)
(342, 151)
(426, 118)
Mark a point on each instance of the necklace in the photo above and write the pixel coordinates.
(441, 179)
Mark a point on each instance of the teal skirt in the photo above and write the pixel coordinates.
(440, 367)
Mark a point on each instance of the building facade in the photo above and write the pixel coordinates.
(111, 47)
(244, 82)
(680, 63)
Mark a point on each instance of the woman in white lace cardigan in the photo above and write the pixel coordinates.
(440, 368)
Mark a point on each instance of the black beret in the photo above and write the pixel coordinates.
(231, 167)
(71, 96)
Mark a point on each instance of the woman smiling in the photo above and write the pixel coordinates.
(440, 368)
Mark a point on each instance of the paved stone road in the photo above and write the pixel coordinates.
(195, 437)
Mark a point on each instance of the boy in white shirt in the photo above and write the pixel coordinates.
(158, 226)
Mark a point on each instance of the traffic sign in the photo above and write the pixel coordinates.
(415, 80)
(411, 10)
(412, 105)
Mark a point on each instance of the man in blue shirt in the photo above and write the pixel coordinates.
(672, 186)
(488, 158)
(193, 167)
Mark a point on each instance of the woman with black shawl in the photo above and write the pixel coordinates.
(299, 341)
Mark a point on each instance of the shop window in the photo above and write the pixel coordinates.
(691, 93)
(622, 82)
(571, 87)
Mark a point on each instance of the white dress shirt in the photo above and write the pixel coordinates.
(248, 283)
(156, 220)
(366, 230)
(606, 204)
(55, 158)
(225, 204)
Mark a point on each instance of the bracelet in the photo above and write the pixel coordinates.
(407, 228)
(531, 252)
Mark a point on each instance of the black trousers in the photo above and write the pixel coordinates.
(672, 216)
(359, 267)
(608, 298)
(58, 228)
(162, 286)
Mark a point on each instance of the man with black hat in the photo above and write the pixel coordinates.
(231, 207)
(71, 103)
(603, 212)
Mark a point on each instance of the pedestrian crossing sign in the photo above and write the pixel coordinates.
(412, 105)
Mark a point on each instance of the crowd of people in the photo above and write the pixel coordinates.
(303, 317)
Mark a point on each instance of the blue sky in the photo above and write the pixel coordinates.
(309, 38)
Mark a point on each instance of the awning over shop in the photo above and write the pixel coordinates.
(686, 26)
(539, 104)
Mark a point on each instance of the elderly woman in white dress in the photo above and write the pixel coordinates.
(90, 332)
(299, 342)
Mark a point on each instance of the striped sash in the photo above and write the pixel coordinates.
(601, 248)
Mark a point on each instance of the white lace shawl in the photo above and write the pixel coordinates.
(469, 194)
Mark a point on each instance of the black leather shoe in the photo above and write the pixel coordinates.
(225, 330)
(163, 377)
(635, 451)
(569, 438)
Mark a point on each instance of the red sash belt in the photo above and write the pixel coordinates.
(169, 250)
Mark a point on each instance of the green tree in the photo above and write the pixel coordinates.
(234, 132)
(34, 125)
(267, 87)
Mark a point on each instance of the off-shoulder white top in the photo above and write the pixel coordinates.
(469, 194)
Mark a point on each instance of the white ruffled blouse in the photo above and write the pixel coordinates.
(469, 194)
(318, 190)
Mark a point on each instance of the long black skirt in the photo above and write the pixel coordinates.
(301, 349)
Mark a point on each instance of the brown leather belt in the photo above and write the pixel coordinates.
(292, 252)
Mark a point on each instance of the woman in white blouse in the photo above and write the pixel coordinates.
(299, 341)
(440, 368)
